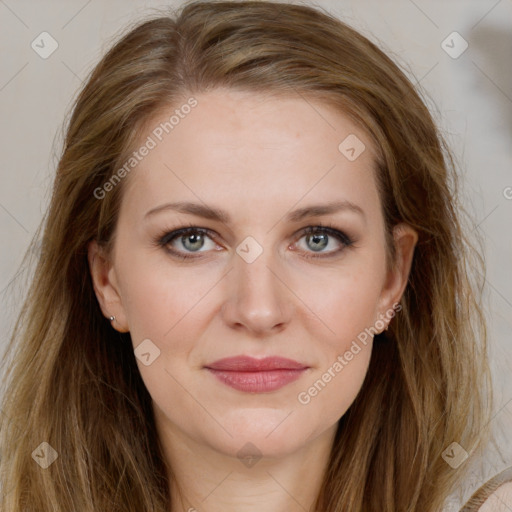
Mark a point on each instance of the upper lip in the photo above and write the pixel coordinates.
(248, 364)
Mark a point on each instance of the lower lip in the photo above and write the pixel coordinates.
(257, 382)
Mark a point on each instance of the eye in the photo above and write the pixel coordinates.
(190, 239)
(319, 237)
(193, 239)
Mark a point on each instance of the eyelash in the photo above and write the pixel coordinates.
(168, 236)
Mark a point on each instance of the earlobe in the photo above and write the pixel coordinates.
(105, 287)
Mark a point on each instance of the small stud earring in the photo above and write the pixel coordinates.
(112, 318)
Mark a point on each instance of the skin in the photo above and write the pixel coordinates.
(500, 500)
(257, 157)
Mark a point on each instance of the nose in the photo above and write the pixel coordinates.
(258, 299)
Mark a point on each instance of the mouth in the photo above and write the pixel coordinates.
(256, 375)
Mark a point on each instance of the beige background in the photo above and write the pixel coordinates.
(471, 97)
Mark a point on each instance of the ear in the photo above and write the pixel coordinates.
(105, 286)
(405, 239)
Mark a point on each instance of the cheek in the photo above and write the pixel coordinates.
(347, 305)
(178, 309)
(344, 353)
(332, 390)
(159, 299)
(345, 301)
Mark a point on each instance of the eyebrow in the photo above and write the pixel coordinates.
(209, 212)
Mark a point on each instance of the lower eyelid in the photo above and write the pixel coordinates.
(339, 236)
(183, 235)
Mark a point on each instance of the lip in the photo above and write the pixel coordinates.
(252, 375)
(251, 364)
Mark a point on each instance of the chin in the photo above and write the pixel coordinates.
(273, 434)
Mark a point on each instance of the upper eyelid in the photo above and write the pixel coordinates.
(186, 229)
(330, 230)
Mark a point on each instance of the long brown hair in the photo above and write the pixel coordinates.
(73, 382)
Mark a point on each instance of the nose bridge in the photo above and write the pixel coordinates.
(255, 277)
(257, 296)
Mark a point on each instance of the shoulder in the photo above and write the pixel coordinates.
(494, 496)
(500, 500)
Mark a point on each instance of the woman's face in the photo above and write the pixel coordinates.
(254, 282)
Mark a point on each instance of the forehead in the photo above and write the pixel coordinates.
(254, 152)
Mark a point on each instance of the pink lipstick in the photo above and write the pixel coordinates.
(252, 375)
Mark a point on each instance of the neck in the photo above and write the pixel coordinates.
(204, 479)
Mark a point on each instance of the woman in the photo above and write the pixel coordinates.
(323, 347)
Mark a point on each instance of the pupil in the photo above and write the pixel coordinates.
(317, 238)
(194, 238)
